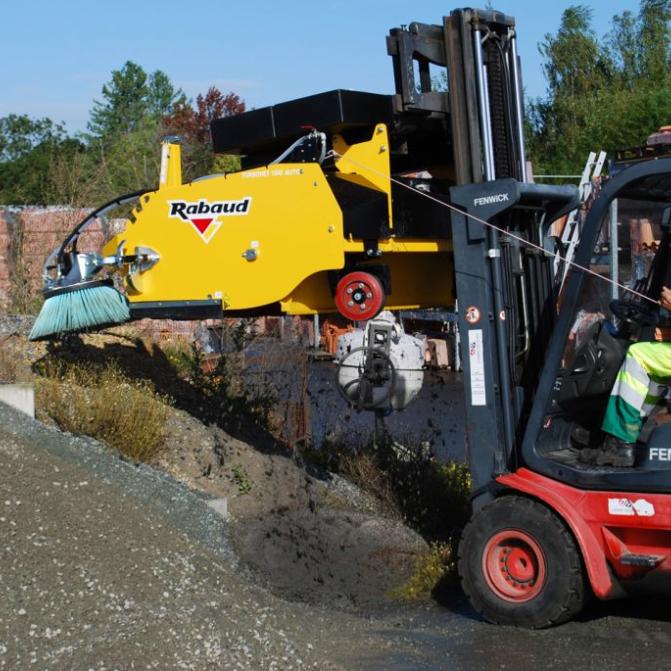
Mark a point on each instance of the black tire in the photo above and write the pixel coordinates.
(558, 592)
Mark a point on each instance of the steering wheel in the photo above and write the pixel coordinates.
(635, 313)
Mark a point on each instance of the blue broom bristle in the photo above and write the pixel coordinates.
(80, 310)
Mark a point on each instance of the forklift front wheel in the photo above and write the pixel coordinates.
(519, 565)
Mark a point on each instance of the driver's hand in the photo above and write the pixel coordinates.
(665, 298)
(663, 334)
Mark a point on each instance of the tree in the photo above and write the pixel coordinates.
(654, 40)
(192, 124)
(27, 147)
(132, 101)
(575, 63)
(607, 94)
(20, 134)
(126, 128)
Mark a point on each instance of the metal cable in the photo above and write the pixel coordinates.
(528, 243)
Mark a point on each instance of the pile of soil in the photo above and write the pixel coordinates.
(308, 537)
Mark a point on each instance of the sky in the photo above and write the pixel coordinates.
(56, 55)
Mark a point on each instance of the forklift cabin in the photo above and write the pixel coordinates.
(546, 529)
(546, 525)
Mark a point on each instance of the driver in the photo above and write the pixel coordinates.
(641, 382)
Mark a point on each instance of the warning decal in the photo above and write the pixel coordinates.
(477, 367)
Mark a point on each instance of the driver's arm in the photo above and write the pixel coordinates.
(665, 298)
(663, 333)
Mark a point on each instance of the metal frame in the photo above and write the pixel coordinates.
(625, 479)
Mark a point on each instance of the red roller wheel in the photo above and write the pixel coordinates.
(359, 296)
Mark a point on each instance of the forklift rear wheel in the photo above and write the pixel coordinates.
(359, 296)
(519, 565)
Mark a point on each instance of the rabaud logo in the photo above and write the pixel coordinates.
(205, 215)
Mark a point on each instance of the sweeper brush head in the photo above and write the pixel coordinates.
(80, 307)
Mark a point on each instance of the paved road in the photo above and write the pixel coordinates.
(104, 565)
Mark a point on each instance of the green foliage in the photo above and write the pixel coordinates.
(132, 102)
(27, 148)
(432, 497)
(126, 128)
(40, 164)
(191, 122)
(433, 568)
(126, 163)
(241, 479)
(225, 163)
(602, 94)
(224, 389)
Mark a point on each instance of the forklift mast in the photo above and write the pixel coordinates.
(504, 287)
(483, 99)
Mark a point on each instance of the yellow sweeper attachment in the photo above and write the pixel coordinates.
(285, 238)
(272, 239)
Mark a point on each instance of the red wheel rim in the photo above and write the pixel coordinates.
(514, 566)
(359, 296)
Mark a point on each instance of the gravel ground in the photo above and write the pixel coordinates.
(106, 565)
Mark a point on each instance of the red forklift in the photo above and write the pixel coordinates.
(547, 529)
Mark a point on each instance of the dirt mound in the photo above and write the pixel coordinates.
(330, 557)
(309, 536)
(315, 539)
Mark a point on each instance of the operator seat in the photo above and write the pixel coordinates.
(586, 382)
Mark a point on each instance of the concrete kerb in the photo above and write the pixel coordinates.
(21, 397)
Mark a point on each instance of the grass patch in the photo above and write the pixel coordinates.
(431, 497)
(9, 365)
(101, 402)
(179, 354)
(241, 479)
(365, 472)
(433, 568)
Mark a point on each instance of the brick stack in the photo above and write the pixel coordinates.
(4, 263)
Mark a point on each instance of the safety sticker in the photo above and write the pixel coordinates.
(472, 314)
(628, 508)
(477, 367)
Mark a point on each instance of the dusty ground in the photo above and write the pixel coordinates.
(313, 538)
(296, 531)
(105, 564)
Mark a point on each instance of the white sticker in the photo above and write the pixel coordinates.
(477, 367)
(627, 508)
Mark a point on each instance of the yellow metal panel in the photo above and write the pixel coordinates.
(418, 280)
(291, 224)
(391, 245)
(367, 163)
(171, 165)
